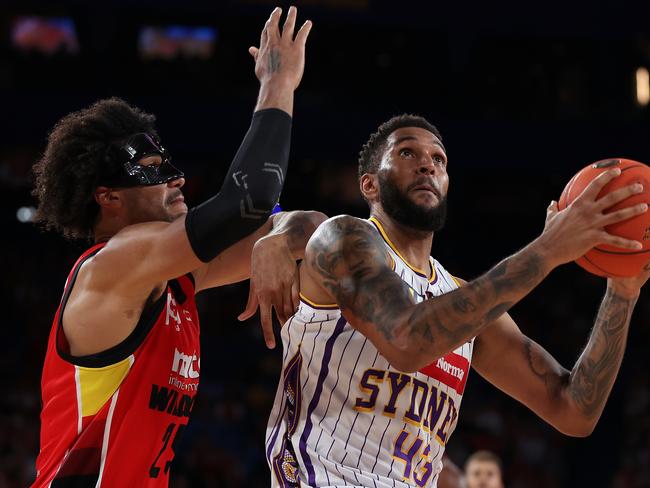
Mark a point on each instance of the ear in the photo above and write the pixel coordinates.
(107, 197)
(369, 186)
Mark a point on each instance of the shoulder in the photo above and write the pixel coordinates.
(346, 239)
(336, 230)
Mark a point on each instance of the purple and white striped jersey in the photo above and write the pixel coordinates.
(345, 417)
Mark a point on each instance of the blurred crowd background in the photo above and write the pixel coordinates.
(524, 93)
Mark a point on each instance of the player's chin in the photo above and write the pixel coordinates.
(176, 210)
(425, 199)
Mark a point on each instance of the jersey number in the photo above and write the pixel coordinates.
(411, 454)
(172, 433)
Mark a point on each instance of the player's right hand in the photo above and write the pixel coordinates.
(570, 233)
(281, 58)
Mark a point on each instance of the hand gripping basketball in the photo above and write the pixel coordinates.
(571, 232)
(606, 259)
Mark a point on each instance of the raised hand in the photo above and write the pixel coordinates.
(281, 58)
(570, 233)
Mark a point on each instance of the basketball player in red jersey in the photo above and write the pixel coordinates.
(123, 360)
(408, 341)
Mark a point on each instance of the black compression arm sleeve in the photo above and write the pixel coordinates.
(250, 190)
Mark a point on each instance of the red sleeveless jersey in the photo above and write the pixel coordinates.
(113, 419)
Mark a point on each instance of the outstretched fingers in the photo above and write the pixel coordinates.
(272, 26)
(623, 214)
(289, 25)
(592, 190)
(303, 32)
(618, 196)
(618, 241)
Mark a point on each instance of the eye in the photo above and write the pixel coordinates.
(439, 160)
(406, 153)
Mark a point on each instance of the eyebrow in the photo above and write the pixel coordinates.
(413, 138)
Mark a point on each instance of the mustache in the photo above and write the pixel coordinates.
(423, 180)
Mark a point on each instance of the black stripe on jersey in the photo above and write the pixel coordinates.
(125, 348)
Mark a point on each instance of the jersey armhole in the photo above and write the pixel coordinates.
(120, 351)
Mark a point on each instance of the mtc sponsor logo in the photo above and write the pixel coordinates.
(185, 364)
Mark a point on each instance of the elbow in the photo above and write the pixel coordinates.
(406, 357)
(404, 364)
(576, 428)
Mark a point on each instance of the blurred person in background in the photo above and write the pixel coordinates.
(377, 356)
(483, 470)
(123, 360)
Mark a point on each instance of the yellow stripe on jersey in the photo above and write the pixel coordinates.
(456, 280)
(432, 275)
(97, 385)
(317, 305)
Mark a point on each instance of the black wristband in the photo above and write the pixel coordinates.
(250, 190)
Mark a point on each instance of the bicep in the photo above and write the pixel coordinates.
(520, 367)
(144, 255)
(347, 258)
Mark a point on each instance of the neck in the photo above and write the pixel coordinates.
(106, 228)
(414, 245)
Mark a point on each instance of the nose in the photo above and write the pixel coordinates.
(177, 183)
(426, 166)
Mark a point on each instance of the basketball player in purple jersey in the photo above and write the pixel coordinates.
(377, 356)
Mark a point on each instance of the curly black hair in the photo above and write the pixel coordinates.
(75, 160)
(371, 153)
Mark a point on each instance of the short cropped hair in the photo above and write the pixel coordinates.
(371, 153)
(75, 160)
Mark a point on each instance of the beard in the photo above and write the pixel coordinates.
(405, 212)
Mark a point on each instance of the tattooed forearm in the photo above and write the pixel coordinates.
(451, 319)
(352, 263)
(594, 374)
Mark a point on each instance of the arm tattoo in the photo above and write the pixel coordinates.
(593, 375)
(554, 376)
(352, 261)
(298, 227)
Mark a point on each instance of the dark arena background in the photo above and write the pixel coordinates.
(525, 94)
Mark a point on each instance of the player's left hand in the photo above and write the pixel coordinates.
(274, 283)
(630, 287)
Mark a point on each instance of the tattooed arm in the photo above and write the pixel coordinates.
(347, 263)
(571, 401)
(348, 259)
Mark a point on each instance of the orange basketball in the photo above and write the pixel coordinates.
(606, 260)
